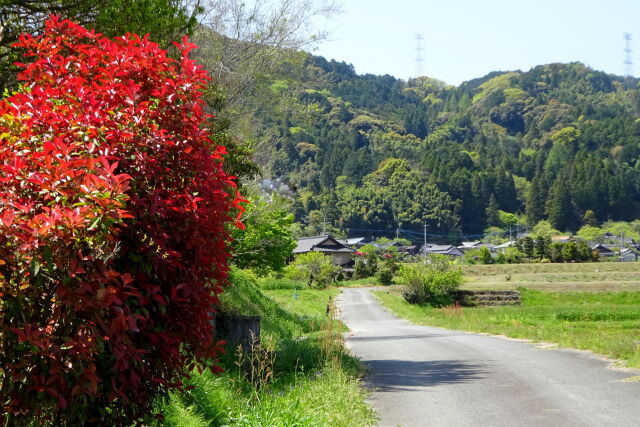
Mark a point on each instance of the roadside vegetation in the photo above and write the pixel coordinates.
(300, 374)
(574, 307)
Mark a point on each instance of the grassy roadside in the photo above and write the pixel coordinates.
(300, 376)
(605, 323)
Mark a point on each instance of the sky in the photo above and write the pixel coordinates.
(467, 39)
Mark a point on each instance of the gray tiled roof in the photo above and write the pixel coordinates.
(320, 244)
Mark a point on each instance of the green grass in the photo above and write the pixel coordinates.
(367, 281)
(313, 382)
(593, 277)
(605, 323)
(310, 304)
(329, 397)
(272, 283)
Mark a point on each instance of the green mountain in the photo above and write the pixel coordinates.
(367, 152)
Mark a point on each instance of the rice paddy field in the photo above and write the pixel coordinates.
(587, 277)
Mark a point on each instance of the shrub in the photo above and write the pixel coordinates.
(366, 263)
(430, 283)
(511, 256)
(387, 268)
(477, 256)
(112, 228)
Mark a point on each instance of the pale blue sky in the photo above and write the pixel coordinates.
(465, 39)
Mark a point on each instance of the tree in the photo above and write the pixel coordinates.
(527, 245)
(113, 234)
(591, 234)
(544, 229)
(493, 217)
(585, 253)
(241, 41)
(590, 218)
(570, 252)
(266, 242)
(484, 256)
(164, 20)
(315, 268)
(541, 247)
(561, 211)
(536, 198)
(556, 252)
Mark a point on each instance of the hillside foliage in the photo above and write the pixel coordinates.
(366, 152)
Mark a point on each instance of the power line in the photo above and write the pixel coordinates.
(415, 234)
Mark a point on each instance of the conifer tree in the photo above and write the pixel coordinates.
(560, 207)
(536, 197)
(493, 219)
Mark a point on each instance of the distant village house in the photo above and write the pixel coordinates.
(340, 253)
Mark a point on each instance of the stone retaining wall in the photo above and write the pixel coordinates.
(488, 298)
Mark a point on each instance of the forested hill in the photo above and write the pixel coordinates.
(367, 152)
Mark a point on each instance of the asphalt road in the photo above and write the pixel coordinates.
(425, 376)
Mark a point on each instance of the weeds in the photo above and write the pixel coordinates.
(256, 365)
(454, 310)
(331, 340)
(298, 374)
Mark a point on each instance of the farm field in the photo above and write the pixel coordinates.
(589, 277)
(566, 305)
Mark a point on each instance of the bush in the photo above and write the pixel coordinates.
(430, 283)
(477, 256)
(366, 263)
(113, 236)
(510, 256)
(385, 275)
(387, 268)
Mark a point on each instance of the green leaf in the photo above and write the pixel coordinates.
(34, 268)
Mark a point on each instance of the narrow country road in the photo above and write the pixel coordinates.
(424, 376)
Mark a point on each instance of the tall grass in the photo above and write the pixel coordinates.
(299, 375)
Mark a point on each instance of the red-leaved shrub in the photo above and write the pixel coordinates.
(113, 206)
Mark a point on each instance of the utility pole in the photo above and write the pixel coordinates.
(324, 224)
(425, 242)
(620, 251)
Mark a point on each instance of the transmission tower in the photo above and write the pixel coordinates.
(419, 52)
(628, 62)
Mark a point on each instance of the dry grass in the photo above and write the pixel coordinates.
(591, 277)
